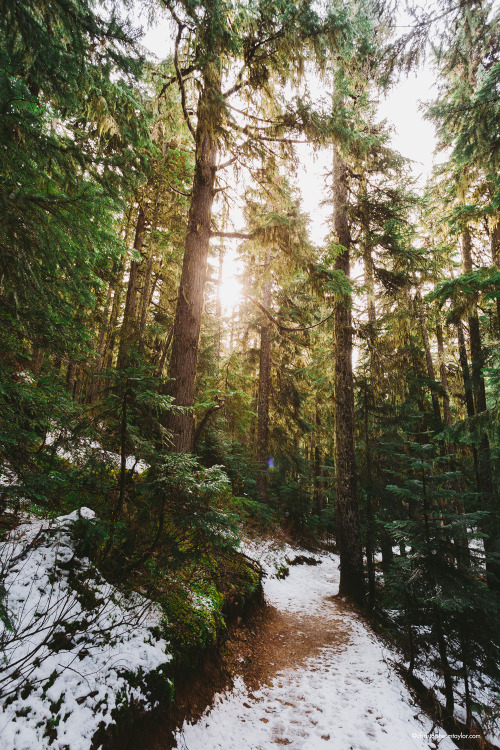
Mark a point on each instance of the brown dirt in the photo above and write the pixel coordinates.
(273, 641)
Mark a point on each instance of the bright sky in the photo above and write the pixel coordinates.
(412, 136)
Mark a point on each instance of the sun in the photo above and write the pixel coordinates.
(231, 287)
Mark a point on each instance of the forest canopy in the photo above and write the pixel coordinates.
(350, 389)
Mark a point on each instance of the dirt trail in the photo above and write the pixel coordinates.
(309, 675)
(274, 641)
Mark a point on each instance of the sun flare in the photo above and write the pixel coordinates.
(231, 287)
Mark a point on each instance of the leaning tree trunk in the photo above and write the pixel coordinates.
(188, 313)
(263, 397)
(347, 512)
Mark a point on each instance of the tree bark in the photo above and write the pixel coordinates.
(485, 482)
(218, 306)
(263, 397)
(443, 375)
(148, 272)
(494, 227)
(428, 356)
(347, 511)
(476, 351)
(188, 313)
(464, 366)
(129, 316)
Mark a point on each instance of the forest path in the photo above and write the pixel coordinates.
(312, 676)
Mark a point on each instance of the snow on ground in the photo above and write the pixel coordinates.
(82, 448)
(346, 697)
(72, 640)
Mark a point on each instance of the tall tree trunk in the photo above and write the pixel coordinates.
(428, 356)
(218, 305)
(164, 351)
(464, 366)
(347, 511)
(370, 524)
(188, 313)
(319, 491)
(372, 319)
(443, 375)
(494, 229)
(148, 273)
(476, 351)
(95, 380)
(263, 397)
(485, 484)
(128, 330)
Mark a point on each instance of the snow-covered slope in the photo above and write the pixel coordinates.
(73, 642)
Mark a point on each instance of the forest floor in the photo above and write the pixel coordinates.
(310, 674)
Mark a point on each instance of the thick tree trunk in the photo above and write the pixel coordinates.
(263, 397)
(347, 512)
(188, 313)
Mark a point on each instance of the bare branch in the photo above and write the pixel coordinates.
(233, 235)
(186, 195)
(279, 325)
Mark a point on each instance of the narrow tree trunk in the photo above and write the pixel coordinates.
(218, 305)
(38, 357)
(94, 385)
(164, 351)
(263, 397)
(347, 511)
(128, 331)
(188, 313)
(476, 351)
(494, 227)
(443, 374)
(485, 484)
(148, 273)
(109, 348)
(428, 356)
(464, 366)
(370, 526)
(319, 492)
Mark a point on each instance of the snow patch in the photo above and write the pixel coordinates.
(71, 641)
